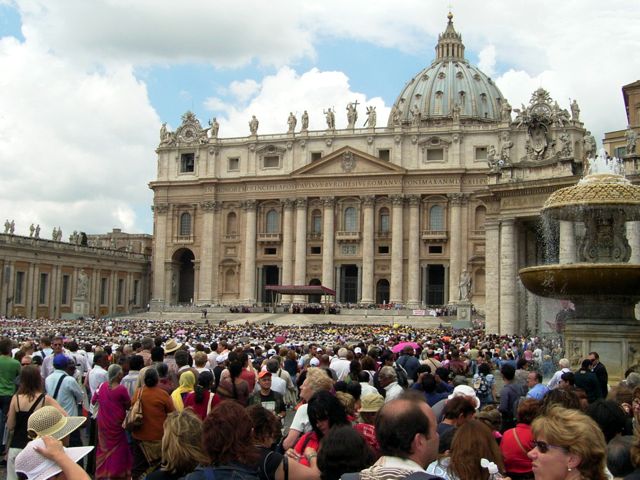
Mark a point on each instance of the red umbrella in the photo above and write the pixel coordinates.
(400, 346)
(280, 339)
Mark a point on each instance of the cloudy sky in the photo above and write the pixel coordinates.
(86, 84)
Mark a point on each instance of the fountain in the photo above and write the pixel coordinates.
(603, 286)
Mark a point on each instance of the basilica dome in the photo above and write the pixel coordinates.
(448, 88)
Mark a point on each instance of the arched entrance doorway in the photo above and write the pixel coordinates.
(382, 291)
(315, 298)
(182, 283)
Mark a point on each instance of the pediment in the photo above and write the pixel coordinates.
(348, 161)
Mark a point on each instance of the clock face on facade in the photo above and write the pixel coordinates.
(541, 110)
(188, 134)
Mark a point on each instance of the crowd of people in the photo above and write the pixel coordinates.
(168, 400)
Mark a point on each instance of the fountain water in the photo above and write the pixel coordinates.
(603, 286)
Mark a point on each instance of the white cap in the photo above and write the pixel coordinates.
(314, 362)
(465, 391)
(357, 350)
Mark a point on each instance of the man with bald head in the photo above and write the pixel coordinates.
(406, 433)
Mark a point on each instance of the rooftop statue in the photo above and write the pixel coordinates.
(371, 117)
(253, 125)
(305, 121)
(292, 121)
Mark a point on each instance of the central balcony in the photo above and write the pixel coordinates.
(434, 236)
(269, 237)
(344, 236)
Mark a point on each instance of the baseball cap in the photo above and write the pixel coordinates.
(264, 373)
(357, 350)
(314, 362)
(271, 352)
(37, 467)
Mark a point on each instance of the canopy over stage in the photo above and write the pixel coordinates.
(301, 290)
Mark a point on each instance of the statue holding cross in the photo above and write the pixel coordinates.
(352, 114)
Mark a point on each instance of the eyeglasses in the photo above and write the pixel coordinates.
(543, 447)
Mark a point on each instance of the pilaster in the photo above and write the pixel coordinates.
(508, 275)
(413, 290)
(300, 272)
(328, 227)
(249, 265)
(368, 203)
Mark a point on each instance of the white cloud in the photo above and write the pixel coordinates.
(487, 60)
(244, 90)
(286, 91)
(77, 147)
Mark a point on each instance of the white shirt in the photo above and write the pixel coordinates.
(393, 391)
(341, 366)
(97, 376)
(301, 421)
(553, 383)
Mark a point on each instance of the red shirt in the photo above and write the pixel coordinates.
(308, 440)
(515, 457)
(201, 408)
(368, 432)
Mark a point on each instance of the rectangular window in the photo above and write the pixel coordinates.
(620, 152)
(234, 164)
(271, 161)
(270, 251)
(316, 250)
(104, 290)
(136, 292)
(42, 290)
(64, 292)
(435, 154)
(481, 153)
(120, 291)
(383, 249)
(18, 297)
(187, 162)
(315, 156)
(384, 154)
(435, 249)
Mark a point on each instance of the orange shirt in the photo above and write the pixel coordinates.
(156, 405)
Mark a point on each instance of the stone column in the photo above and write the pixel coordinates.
(633, 236)
(567, 247)
(7, 276)
(249, 266)
(396, 249)
(492, 276)
(328, 226)
(300, 272)
(455, 240)
(205, 283)
(287, 247)
(367, 249)
(508, 272)
(413, 290)
(159, 250)
(217, 253)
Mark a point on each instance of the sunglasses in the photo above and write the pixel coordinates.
(543, 447)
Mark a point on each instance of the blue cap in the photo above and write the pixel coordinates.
(60, 361)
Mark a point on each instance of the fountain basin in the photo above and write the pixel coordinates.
(578, 281)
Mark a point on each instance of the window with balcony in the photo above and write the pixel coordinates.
(272, 222)
(316, 222)
(350, 219)
(436, 218)
(185, 224)
(383, 220)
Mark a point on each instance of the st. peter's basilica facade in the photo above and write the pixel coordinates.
(450, 187)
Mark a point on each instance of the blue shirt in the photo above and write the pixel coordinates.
(538, 391)
(70, 393)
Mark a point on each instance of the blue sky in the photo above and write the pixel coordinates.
(86, 85)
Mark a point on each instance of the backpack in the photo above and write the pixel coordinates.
(401, 373)
(481, 386)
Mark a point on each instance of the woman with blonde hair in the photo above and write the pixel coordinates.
(317, 380)
(182, 449)
(568, 445)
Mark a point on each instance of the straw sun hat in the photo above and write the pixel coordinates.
(50, 421)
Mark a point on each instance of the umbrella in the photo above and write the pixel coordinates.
(400, 346)
(280, 339)
(182, 331)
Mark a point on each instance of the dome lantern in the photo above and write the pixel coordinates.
(450, 44)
